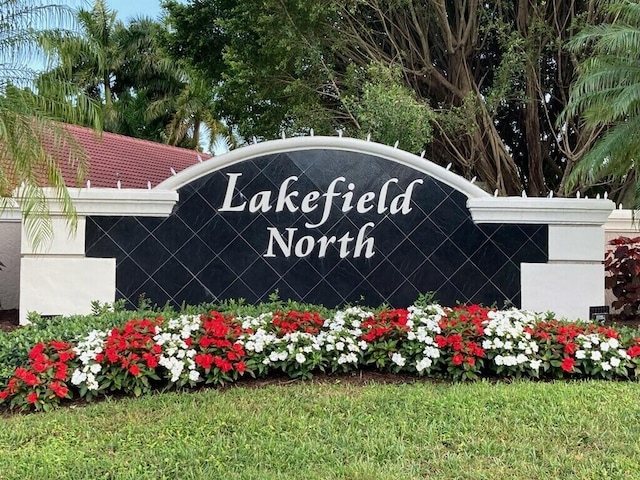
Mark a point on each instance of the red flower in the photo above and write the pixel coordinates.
(4, 394)
(61, 372)
(457, 359)
(31, 380)
(570, 348)
(36, 351)
(471, 361)
(241, 367)
(233, 356)
(152, 361)
(204, 360)
(634, 351)
(134, 369)
(57, 345)
(59, 389)
(66, 356)
(567, 364)
(40, 366)
(32, 397)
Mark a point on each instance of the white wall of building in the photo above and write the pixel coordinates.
(10, 257)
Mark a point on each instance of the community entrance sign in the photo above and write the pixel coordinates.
(322, 220)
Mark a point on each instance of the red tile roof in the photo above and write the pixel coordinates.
(112, 157)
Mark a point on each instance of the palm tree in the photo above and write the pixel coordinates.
(191, 108)
(606, 95)
(30, 132)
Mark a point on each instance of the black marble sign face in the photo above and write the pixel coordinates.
(319, 226)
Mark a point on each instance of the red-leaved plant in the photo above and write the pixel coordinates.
(623, 265)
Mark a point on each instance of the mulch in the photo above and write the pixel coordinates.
(8, 320)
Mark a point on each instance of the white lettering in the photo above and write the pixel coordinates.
(304, 246)
(228, 195)
(361, 243)
(344, 242)
(348, 198)
(383, 195)
(406, 200)
(303, 250)
(328, 201)
(324, 244)
(284, 198)
(366, 197)
(308, 200)
(285, 248)
(260, 202)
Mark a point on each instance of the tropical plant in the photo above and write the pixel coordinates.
(30, 134)
(191, 108)
(606, 95)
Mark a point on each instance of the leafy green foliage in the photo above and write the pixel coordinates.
(388, 110)
(607, 95)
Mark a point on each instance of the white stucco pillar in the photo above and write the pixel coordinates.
(58, 279)
(573, 278)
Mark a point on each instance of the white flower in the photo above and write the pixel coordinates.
(398, 359)
(78, 377)
(615, 362)
(300, 358)
(535, 364)
(194, 375)
(596, 355)
(606, 366)
(604, 346)
(580, 354)
(613, 343)
(431, 352)
(423, 364)
(521, 358)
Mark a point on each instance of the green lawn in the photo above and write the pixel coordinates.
(338, 431)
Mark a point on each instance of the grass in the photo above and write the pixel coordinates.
(522, 430)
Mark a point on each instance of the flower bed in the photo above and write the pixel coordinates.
(461, 343)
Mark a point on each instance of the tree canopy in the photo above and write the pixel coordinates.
(489, 79)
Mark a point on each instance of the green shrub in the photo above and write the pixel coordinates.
(15, 345)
